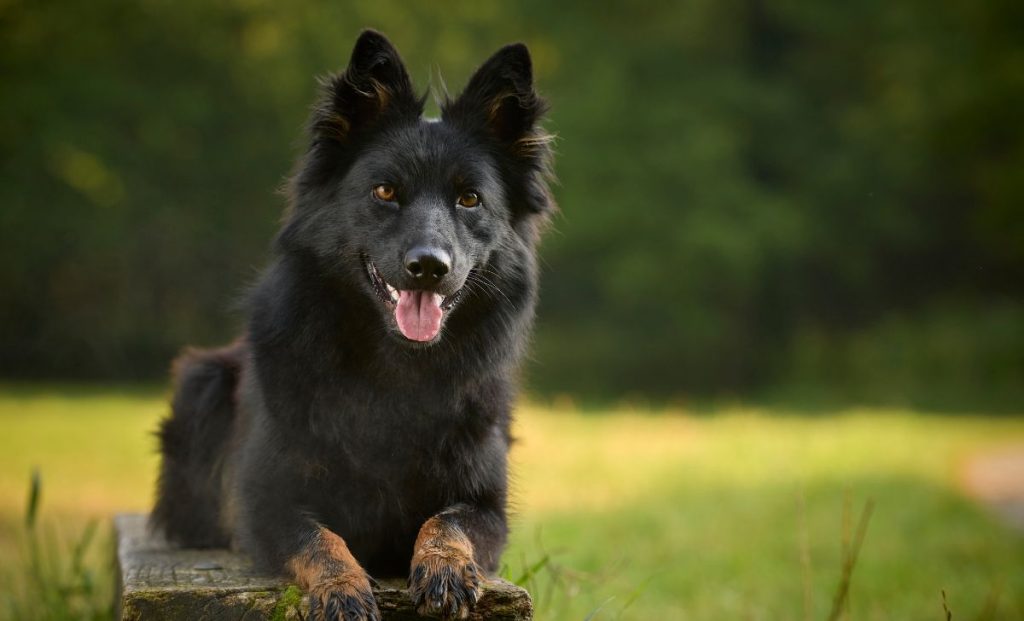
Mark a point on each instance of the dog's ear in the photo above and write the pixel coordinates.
(500, 97)
(375, 85)
(500, 101)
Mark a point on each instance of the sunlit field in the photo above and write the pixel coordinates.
(631, 514)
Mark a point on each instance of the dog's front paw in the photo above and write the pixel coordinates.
(347, 597)
(444, 582)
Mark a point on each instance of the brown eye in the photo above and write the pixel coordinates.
(384, 192)
(469, 199)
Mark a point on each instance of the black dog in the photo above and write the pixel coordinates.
(362, 423)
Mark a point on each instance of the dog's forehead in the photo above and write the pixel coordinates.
(432, 144)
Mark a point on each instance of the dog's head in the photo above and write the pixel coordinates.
(407, 211)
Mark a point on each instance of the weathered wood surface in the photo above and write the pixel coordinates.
(159, 582)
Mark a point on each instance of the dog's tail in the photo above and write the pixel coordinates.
(194, 443)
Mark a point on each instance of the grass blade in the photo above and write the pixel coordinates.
(34, 490)
(850, 552)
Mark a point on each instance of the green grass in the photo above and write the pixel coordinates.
(740, 514)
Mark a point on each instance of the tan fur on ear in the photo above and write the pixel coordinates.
(381, 93)
(495, 105)
(379, 97)
(533, 145)
(336, 126)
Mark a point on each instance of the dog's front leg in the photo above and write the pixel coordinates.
(338, 587)
(453, 550)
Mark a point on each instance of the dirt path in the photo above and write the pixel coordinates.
(997, 480)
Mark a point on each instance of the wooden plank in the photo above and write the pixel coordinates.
(159, 582)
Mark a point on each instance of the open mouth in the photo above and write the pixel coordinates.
(418, 312)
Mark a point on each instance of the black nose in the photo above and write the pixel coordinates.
(427, 264)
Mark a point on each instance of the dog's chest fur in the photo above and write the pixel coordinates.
(372, 445)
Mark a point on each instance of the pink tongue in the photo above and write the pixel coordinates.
(418, 314)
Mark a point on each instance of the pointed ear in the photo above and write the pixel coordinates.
(374, 85)
(500, 98)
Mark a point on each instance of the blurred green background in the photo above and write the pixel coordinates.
(789, 199)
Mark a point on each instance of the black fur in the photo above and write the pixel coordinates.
(324, 413)
(194, 444)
